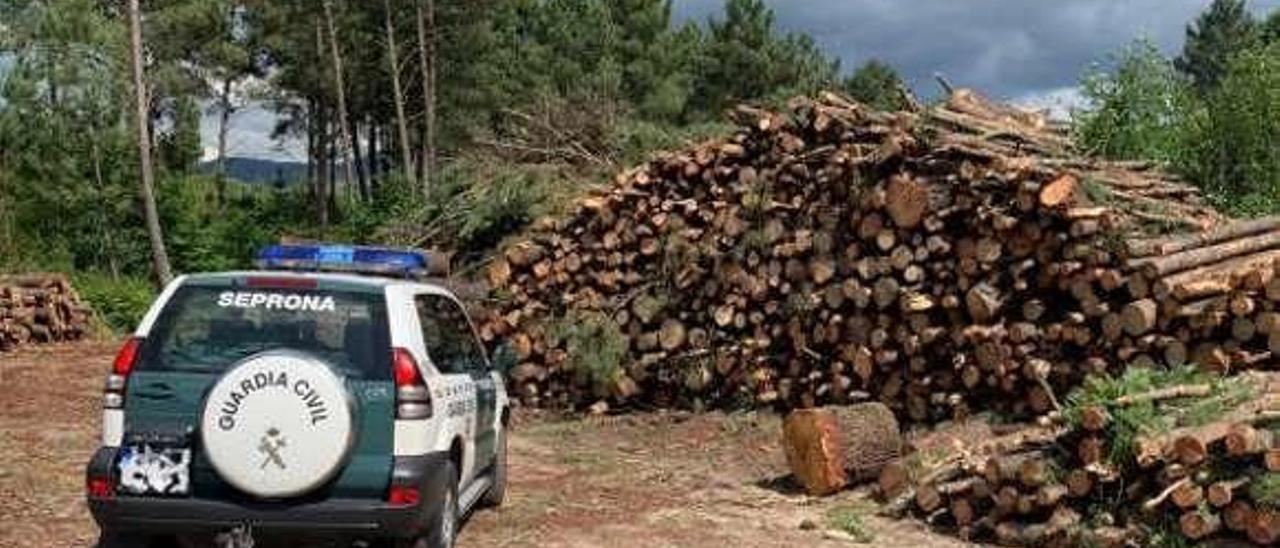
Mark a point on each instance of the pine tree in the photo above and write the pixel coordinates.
(746, 59)
(159, 255)
(1221, 32)
(875, 83)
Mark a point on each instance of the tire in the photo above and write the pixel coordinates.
(443, 532)
(108, 539)
(497, 492)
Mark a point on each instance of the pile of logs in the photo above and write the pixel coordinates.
(1201, 465)
(934, 261)
(40, 309)
(1210, 298)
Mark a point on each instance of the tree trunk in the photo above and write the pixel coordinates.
(347, 146)
(397, 95)
(108, 242)
(427, 58)
(361, 166)
(224, 124)
(324, 167)
(159, 257)
(313, 175)
(374, 165)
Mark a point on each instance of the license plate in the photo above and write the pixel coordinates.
(147, 470)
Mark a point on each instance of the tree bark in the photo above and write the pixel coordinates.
(159, 256)
(427, 63)
(347, 146)
(397, 95)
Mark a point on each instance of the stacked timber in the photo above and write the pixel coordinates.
(1192, 458)
(1210, 298)
(934, 261)
(39, 309)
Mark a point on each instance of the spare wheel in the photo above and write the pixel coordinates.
(278, 424)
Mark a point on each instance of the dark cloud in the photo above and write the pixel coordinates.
(1009, 48)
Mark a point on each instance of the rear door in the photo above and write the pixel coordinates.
(453, 348)
(210, 325)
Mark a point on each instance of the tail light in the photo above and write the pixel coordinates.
(413, 399)
(403, 495)
(126, 359)
(100, 488)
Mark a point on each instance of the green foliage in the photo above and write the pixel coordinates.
(1132, 421)
(1236, 159)
(1214, 39)
(1265, 490)
(877, 85)
(745, 59)
(849, 519)
(595, 346)
(180, 148)
(578, 87)
(119, 303)
(1269, 32)
(1138, 106)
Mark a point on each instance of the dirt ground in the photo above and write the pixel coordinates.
(684, 480)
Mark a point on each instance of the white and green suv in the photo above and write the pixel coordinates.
(335, 393)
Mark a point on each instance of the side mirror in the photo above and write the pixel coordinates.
(504, 358)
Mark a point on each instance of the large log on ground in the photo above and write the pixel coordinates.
(814, 448)
(871, 439)
(830, 447)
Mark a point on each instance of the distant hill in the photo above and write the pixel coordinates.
(259, 171)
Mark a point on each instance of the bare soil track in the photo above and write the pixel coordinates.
(707, 480)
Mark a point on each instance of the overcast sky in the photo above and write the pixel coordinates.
(1029, 51)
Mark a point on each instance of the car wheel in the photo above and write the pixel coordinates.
(443, 532)
(497, 492)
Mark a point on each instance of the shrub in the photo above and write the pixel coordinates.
(118, 303)
(596, 349)
(1138, 106)
(1237, 160)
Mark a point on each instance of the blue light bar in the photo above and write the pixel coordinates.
(381, 261)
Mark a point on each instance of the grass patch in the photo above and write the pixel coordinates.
(849, 519)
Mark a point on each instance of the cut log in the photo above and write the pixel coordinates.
(1175, 244)
(812, 440)
(907, 200)
(983, 302)
(1139, 317)
(872, 439)
(1157, 267)
(1264, 527)
(1059, 192)
(1197, 525)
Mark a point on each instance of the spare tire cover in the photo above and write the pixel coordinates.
(278, 424)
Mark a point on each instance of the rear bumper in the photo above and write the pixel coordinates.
(355, 517)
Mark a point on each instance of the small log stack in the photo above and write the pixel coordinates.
(39, 309)
(934, 261)
(1202, 464)
(1210, 298)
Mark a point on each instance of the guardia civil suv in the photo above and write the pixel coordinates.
(333, 394)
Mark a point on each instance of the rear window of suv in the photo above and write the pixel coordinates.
(208, 329)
